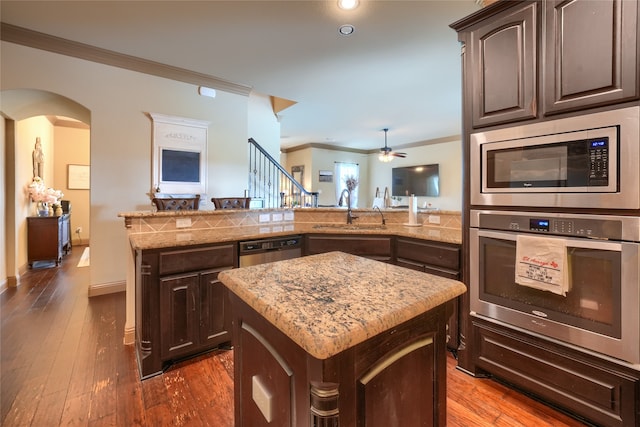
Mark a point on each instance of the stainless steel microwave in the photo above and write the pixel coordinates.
(587, 161)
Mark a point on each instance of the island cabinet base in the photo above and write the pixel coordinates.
(396, 378)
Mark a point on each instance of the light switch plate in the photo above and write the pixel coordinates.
(265, 217)
(184, 237)
(434, 219)
(262, 397)
(183, 222)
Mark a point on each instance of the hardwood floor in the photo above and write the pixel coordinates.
(63, 363)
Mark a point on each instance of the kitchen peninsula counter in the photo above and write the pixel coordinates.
(352, 330)
(153, 230)
(149, 231)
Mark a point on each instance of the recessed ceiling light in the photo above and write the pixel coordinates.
(348, 4)
(346, 29)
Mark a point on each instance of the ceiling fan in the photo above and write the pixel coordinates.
(386, 153)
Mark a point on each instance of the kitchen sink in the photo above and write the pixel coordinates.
(351, 226)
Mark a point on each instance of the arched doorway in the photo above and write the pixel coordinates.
(29, 114)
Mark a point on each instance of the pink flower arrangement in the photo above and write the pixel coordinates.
(40, 193)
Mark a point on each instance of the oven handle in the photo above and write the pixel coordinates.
(606, 245)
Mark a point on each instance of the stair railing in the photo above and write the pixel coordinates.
(271, 183)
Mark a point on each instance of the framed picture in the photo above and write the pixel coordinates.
(78, 177)
(179, 155)
(325, 176)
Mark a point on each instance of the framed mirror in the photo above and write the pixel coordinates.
(297, 172)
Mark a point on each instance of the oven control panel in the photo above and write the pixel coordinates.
(589, 226)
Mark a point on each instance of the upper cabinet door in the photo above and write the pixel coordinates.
(503, 60)
(590, 53)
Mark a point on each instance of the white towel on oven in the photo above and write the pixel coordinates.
(542, 263)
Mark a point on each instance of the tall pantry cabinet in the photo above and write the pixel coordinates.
(526, 62)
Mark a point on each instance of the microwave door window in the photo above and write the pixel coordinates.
(592, 303)
(526, 167)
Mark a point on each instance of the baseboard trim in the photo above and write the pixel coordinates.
(107, 288)
(129, 336)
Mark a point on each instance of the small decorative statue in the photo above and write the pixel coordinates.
(38, 160)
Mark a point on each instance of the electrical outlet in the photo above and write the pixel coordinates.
(183, 222)
(265, 217)
(263, 398)
(78, 230)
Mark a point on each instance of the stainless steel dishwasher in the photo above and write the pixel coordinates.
(255, 252)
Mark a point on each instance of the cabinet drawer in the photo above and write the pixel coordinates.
(356, 245)
(183, 260)
(429, 253)
(584, 385)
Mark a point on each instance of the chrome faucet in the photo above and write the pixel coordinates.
(383, 220)
(350, 216)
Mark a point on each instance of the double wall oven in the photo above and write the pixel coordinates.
(599, 311)
(555, 231)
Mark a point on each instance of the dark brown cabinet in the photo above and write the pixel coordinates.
(503, 57)
(48, 238)
(590, 387)
(378, 382)
(591, 54)
(526, 60)
(439, 258)
(530, 61)
(375, 247)
(182, 309)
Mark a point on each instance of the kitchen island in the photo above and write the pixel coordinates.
(337, 339)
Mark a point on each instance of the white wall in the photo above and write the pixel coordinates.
(72, 146)
(5, 217)
(119, 101)
(447, 154)
(375, 174)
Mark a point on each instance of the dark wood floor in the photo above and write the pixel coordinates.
(63, 363)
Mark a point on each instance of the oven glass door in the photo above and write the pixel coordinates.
(593, 301)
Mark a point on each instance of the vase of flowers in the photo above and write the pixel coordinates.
(44, 196)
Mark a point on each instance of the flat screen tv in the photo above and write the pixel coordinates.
(423, 180)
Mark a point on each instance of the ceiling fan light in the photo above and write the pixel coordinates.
(385, 157)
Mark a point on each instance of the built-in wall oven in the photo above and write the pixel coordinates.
(587, 161)
(573, 279)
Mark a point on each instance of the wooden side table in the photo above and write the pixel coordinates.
(48, 238)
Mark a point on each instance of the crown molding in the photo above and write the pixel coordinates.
(323, 147)
(373, 150)
(25, 37)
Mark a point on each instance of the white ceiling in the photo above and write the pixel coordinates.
(400, 69)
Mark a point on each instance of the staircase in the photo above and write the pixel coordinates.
(271, 183)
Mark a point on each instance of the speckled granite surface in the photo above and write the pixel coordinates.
(330, 302)
(197, 236)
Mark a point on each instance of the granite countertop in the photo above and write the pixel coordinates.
(330, 302)
(194, 236)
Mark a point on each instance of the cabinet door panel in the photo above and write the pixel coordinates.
(383, 392)
(591, 53)
(215, 316)
(504, 58)
(44, 239)
(179, 314)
